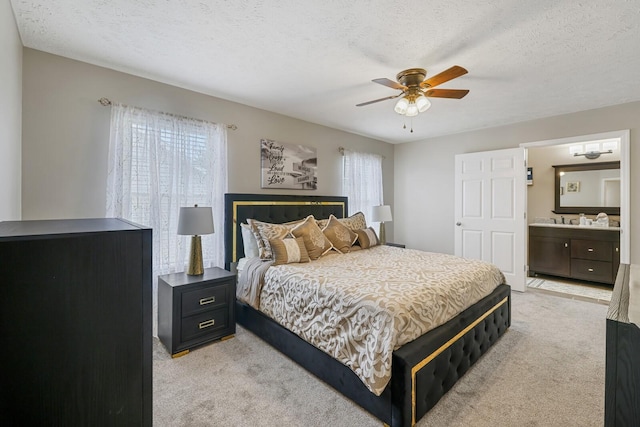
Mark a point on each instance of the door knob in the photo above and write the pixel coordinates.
(458, 224)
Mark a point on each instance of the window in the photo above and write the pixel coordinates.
(362, 181)
(158, 163)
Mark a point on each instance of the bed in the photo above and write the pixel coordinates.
(422, 370)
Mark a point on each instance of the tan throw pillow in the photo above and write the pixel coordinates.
(353, 223)
(265, 231)
(315, 241)
(290, 250)
(339, 235)
(367, 238)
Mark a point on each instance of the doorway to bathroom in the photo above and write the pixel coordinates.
(546, 193)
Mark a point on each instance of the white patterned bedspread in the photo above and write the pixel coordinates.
(360, 307)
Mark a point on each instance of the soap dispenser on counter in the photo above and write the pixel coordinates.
(583, 219)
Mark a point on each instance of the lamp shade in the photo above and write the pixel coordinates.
(412, 110)
(381, 213)
(401, 106)
(422, 103)
(195, 221)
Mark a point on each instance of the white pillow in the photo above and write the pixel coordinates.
(249, 242)
(241, 263)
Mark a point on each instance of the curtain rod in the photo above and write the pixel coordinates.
(341, 150)
(106, 102)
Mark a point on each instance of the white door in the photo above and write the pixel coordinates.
(490, 206)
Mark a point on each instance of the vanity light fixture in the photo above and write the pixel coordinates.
(591, 155)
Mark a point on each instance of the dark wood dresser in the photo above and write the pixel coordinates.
(75, 319)
(622, 371)
(582, 253)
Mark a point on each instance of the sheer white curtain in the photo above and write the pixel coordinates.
(362, 181)
(158, 163)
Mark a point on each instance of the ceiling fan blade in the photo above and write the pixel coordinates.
(389, 83)
(445, 76)
(378, 100)
(447, 93)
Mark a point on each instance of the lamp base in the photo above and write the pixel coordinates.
(195, 257)
(383, 237)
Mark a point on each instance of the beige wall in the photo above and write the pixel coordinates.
(66, 136)
(541, 195)
(424, 171)
(10, 115)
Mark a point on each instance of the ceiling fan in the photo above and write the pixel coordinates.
(415, 89)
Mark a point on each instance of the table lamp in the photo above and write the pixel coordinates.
(195, 221)
(381, 214)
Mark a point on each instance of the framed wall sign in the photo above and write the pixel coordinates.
(288, 166)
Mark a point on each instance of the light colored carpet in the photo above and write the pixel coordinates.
(547, 370)
(576, 290)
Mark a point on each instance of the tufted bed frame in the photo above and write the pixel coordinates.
(422, 370)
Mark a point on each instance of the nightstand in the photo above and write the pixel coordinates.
(397, 245)
(195, 310)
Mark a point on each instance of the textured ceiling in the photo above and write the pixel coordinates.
(314, 60)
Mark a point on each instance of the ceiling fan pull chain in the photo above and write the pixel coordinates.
(412, 125)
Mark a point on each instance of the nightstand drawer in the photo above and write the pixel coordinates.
(596, 271)
(591, 249)
(204, 323)
(205, 299)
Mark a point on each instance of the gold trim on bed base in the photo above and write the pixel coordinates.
(442, 348)
(237, 203)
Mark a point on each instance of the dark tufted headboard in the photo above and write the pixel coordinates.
(271, 208)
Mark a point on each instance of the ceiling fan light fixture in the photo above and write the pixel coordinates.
(401, 106)
(412, 110)
(414, 89)
(423, 103)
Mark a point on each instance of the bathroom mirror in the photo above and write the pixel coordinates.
(588, 188)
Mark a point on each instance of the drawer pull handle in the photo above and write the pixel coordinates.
(566, 245)
(590, 270)
(209, 300)
(590, 249)
(206, 323)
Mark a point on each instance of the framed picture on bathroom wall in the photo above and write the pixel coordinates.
(573, 186)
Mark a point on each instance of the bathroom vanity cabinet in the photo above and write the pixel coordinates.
(576, 252)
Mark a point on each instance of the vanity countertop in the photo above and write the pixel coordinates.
(582, 227)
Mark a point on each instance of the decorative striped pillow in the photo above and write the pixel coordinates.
(287, 251)
(367, 238)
